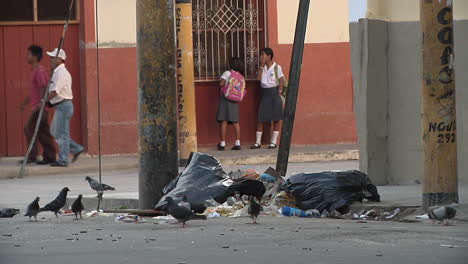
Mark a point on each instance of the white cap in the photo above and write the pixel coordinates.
(61, 54)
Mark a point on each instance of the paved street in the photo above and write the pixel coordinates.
(227, 240)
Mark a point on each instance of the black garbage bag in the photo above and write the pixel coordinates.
(202, 180)
(330, 190)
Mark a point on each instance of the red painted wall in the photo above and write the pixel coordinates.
(15, 77)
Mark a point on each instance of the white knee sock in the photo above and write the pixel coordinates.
(222, 143)
(259, 138)
(274, 138)
(237, 143)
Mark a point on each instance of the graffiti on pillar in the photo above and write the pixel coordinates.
(445, 96)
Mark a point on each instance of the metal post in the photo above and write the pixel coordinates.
(157, 101)
(440, 185)
(185, 81)
(293, 87)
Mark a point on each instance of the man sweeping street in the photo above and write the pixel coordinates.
(60, 97)
(39, 81)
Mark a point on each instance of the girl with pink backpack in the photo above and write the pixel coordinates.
(232, 91)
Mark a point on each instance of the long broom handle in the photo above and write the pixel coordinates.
(44, 97)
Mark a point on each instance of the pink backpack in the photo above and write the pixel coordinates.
(234, 90)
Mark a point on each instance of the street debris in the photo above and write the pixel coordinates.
(9, 212)
(330, 190)
(129, 219)
(203, 179)
(453, 246)
(290, 211)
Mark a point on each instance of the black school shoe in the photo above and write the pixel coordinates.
(272, 146)
(237, 148)
(255, 146)
(221, 148)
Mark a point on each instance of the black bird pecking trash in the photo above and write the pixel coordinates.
(33, 209)
(77, 207)
(182, 214)
(57, 203)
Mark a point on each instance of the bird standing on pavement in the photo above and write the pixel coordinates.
(441, 213)
(98, 187)
(77, 207)
(182, 214)
(57, 203)
(247, 187)
(33, 209)
(254, 209)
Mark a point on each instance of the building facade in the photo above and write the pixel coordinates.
(101, 46)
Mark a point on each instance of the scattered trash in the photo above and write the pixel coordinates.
(213, 215)
(424, 216)
(397, 211)
(9, 212)
(201, 180)
(225, 246)
(330, 190)
(267, 177)
(130, 219)
(283, 199)
(164, 217)
(231, 201)
(7, 235)
(453, 246)
(290, 211)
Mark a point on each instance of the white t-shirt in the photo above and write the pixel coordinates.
(226, 76)
(269, 78)
(61, 84)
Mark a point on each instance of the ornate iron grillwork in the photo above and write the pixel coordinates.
(223, 29)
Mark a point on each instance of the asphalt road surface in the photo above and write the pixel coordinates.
(227, 240)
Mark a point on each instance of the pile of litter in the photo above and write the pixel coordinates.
(203, 188)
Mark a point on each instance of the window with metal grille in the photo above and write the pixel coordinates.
(223, 29)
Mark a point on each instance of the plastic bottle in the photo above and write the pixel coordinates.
(290, 211)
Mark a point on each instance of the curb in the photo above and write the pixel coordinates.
(9, 172)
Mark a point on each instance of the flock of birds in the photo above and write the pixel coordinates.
(59, 202)
(182, 211)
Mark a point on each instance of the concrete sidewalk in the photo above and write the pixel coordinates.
(9, 167)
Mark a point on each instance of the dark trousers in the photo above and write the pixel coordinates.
(43, 137)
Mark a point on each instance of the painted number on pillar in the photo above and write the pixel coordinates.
(445, 131)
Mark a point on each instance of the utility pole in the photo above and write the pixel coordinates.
(293, 88)
(157, 98)
(440, 184)
(185, 81)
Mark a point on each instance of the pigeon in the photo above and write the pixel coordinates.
(441, 213)
(77, 207)
(247, 187)
(9, 212)
(182, 214)
(254, 209)
(58, 203)
(33, 209)
(185, 203)
(98, 187)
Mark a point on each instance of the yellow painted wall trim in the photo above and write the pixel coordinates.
(328, 21)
